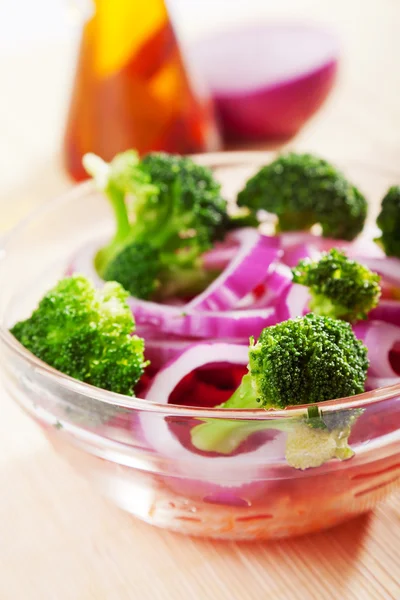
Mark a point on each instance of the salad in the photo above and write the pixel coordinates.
(276, 300)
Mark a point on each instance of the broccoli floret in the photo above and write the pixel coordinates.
(388, 222)
(300, 361)
(305, 360)
(303, 190)
(86, 334)
(137, 268)
(340, 288)
(167, 209)
(190, 199)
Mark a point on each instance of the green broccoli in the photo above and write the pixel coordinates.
(168, 212)
(303, 190)
(340, 288)
(388, 222)
(300, 361)
(86, 334)
(136, 267)
(190, 205)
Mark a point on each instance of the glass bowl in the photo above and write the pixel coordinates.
(135, 452)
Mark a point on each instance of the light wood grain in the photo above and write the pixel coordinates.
(58, 539)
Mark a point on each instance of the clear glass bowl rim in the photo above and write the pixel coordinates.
(228, 159)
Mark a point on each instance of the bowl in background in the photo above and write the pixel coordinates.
(267, 80)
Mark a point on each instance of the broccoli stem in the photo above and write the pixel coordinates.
(123, 228)
(310, 441)
(101, 173)
(308, 444)
(224, 436)
(245, 396)
(117, 201)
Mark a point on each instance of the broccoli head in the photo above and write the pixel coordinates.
(306, 360)
(340, 288)
(168, 212)
(300, 361)
(388, 222)
(303, 190)
(86, 334)
(190, 201)
(137, 268)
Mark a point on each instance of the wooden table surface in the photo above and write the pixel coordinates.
(58, 539)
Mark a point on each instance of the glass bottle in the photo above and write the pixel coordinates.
(132, 89)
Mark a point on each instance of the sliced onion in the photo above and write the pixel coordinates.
(229, 471)
(236, 324)
(275, 285)
(248, 268)
(220, 256)
(294, 254)
(374, 383)
(388, 311)
(162, 351)
(380, 338)
(176, 320)
(293, 302)
(198, 355)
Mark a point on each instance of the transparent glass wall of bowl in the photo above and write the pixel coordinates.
(139, 455)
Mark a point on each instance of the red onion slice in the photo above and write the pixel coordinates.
(160, 352)
(374, 383)
(388, 311)
(247, 269)
(198, 355)
(380, 338)
(229, 471)
(274, 286)
(178, 320)
(220, 256)
(293, 302)
(294, 254)
(236, 324)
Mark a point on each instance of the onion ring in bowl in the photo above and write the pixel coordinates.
(248, 267)
(219, 473)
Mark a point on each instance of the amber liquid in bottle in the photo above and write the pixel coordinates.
(132, 89)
